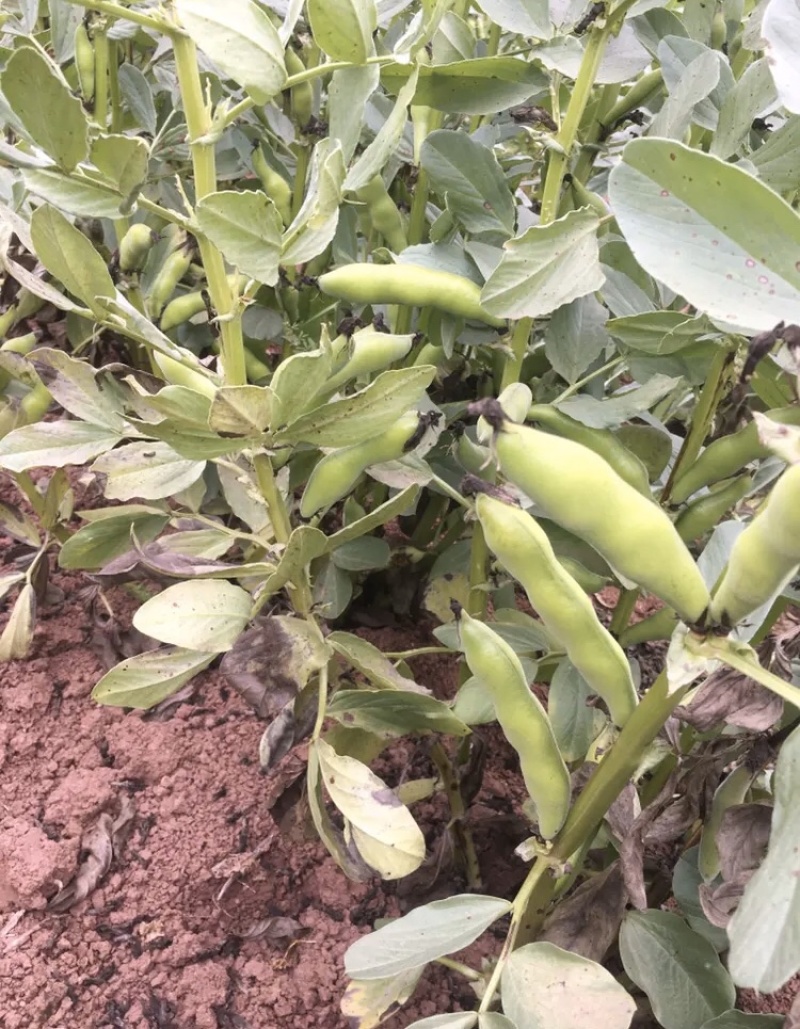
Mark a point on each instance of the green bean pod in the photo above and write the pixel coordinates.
(408, 284)
(524, 550)
(475, 459)
(173, 269)
(135, 246)
(383, 213)
(728, 455)
(336, 473)
(523, 720)
(706, 512)
(431, 353)
(590, 582)
(370, 351)
(602, 441)
(84, 62)
(301, 96)
(765, 557)
(187, 305)
(177, 374)
(732, 790)
(579, 489)
(275, 185)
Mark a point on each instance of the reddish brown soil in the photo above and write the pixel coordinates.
(155, 945)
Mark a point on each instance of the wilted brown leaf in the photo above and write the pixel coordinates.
(277, 928)
(728, 697)
(720, 902)
(588, 921)
(97, 850)
(742, 839)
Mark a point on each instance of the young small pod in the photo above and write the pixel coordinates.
(336, 473)
(523, 720)
(578, 489)
(658, 626)
(177, 374)
(408, 284)
(135, 246)
(524, 550)
(84, 62)
(705, 513)
(302, 95)
(369, 351)
(275, 185)
(383, 213)
(173, 269)
(764, 558)
(728, 455)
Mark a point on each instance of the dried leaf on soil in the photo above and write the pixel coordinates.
(98, 850)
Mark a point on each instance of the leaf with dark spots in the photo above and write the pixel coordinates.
(110, 641)
(588, 921)
(631, 853)
(97, 850)
(278, 738)
(272, 661)
(728, 697)
(623, 812)
(742, 839)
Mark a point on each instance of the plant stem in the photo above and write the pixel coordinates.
(615, 362)
(322, 701)
(623, 611)
(405, 655)
(149, 21)
(198, 120)
(559, 159)
(113, 86)
(519, 347)
(301, 153)
(461, 968)
(710, 396)
(478, 559)
(462, 837)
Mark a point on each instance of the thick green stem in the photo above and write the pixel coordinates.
(198, 121)
(559, 159)
(623, 611)
(512, 368)
(712, 392)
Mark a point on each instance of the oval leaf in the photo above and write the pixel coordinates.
(146, 679)
(202, 614)
(343, 28)
(247, 229)
(711, 232)
(424, 934)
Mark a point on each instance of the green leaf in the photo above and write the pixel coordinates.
(709, 231)
(305, 544)
(382, 829)
(295, 383)
(367, 659)
(333, 589)
(17, 635)
(677, 969)
(658, 332)
(467, 175)
(348, 93)
(677, 55)
(353, 419)
(776, 161)
(146, 679)
(752, 95)
(343, 28)
(473, 703)
(21, 526)
(73, 384)
(80, 197)
(362, 555)
(67, 253)
(367, 1003)
(314, 226)
(765, 930)
(545, 987)
(780, 30)
(138, 99)
(392, 713)
(96, 544)
(239, 37)
(375, 156)
(241, 410)
(122, 160)
(545, 267)
(573, 720)
(698, 80)
(207, 614)
(576, 335)
(397, 505)
(485, 85)
(42, 100)
(247, 228)
(147, 470)
(744, 1020)
(520, 17)
(424, 934)
(54, 445)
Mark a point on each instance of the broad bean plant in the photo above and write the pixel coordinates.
(496, 298)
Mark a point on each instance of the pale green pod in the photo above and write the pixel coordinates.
(578, 489)
(524, 550)
(522, 719)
